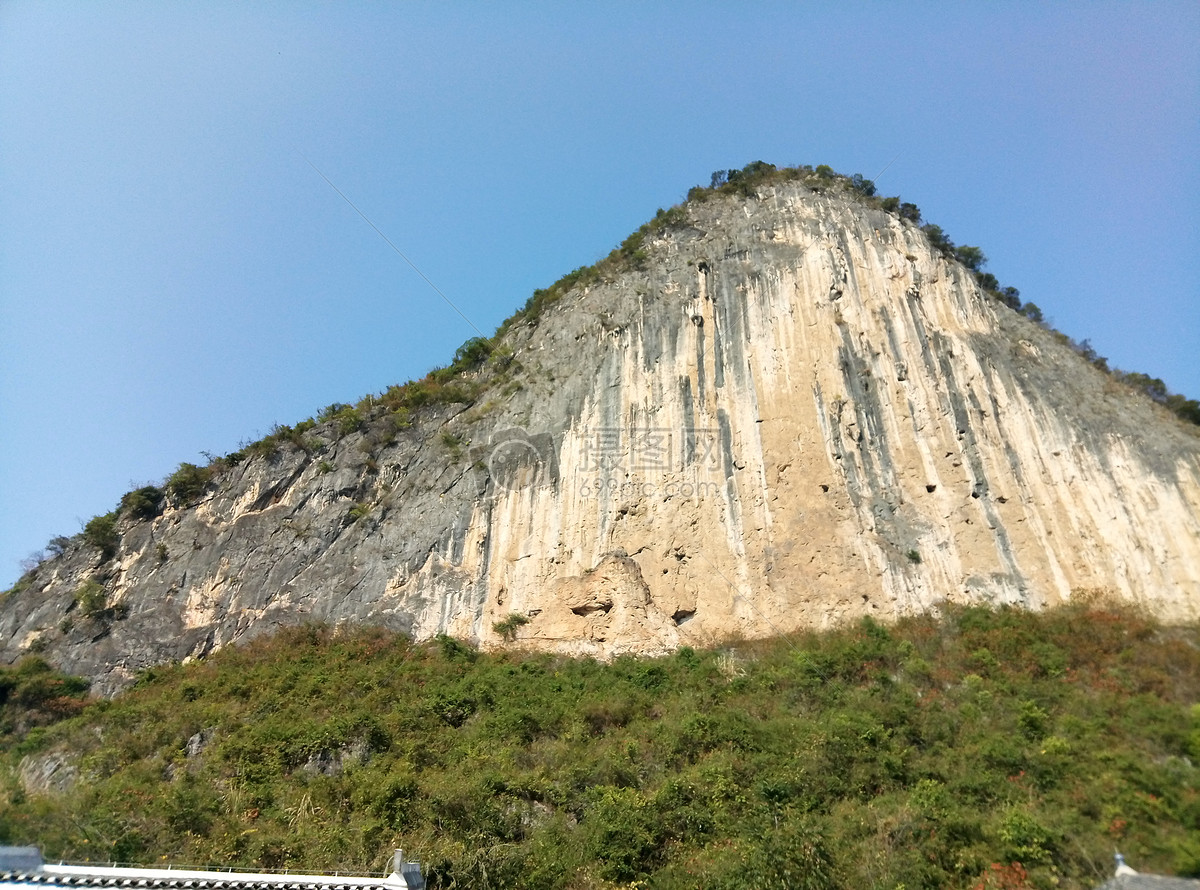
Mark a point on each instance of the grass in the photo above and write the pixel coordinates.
(935, 753)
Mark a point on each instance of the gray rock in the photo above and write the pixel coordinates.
(795, 413)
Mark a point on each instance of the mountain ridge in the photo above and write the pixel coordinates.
(416, 524)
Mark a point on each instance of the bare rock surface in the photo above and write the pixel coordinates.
(795, 412)
(52, 772)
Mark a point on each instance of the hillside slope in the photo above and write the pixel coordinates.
(934, 753)
(783, 407)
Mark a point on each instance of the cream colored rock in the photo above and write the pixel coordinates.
(797, 413)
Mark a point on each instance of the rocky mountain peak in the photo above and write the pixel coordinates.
(782, 404)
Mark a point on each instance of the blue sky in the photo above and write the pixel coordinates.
(175, 277)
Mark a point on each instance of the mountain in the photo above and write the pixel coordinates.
(780, 405)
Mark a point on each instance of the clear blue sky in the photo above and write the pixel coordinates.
(175, 278)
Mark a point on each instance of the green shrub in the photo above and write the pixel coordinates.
(143, 503)
(1025, 839)
(101, 533)
(823, 759)
(509, 626)
(347, 417)
(988, 281)
(1032, 312)
(33, 694)
(971, 257)
(472, 354)
(188, 483)
(863, 186)
(623, 834)
(91, 598)
(938, 239)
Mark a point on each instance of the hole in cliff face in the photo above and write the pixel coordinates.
(702, 266)
(931, 488)
(682, 616)
(824, 487)
(592, 609)
(1001, 500)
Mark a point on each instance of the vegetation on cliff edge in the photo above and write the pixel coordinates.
(983, 749)
(484, 363)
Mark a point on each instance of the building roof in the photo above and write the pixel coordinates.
(22, 867)
(1126, 878)
(1149, 882)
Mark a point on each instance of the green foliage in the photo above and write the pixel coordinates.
(1032, 312)
(347, 418)
(480, 363)
(33, 694)
(440, 386)
(23, 583)
(509, 626)
(928, 753)
(101, 533)
(472, 354)
(914, 556)
(91, 598)
(543, 298)
(281, 435)
(863, 186)
(938, 239)
(92, 601)
(1184, 408)
(1025, 839)
(971, 257)
(188, 483)
(143, 503)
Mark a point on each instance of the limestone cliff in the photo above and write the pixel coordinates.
(790, 410)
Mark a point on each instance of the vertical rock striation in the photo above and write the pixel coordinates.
(795, 412)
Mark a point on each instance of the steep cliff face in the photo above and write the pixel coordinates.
(795, 412)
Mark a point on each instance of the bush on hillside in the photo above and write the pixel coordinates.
(932, 753)
(188, 483)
